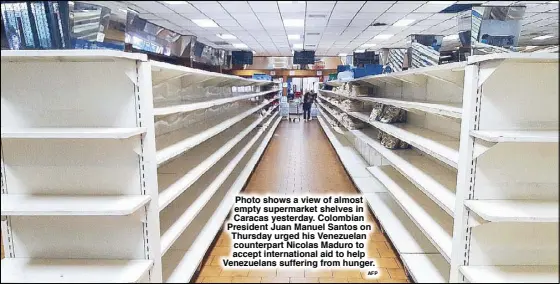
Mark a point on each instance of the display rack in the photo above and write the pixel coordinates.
(125, 181)
(476, 197)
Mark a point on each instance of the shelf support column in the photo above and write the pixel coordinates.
(148, 166)
(465, 174)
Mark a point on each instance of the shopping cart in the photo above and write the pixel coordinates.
(295, 110)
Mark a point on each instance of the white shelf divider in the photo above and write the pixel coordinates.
(73, 270)
(208, 104)
(179, 148)
(71, 133)
(71, 205)
(537, 211)
(520, 136)
(511, 274)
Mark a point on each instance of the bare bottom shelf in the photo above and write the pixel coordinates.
(26, 270)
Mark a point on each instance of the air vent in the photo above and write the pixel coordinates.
(378, 24)
(316, 16)
(313, 34)
(310, 45)
(221, 43)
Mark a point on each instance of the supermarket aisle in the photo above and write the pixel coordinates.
(300, 159)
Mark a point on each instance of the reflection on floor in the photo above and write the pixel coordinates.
(299, 160)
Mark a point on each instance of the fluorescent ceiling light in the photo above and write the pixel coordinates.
(542, 37)
(239, 45)
(298, 45)
(366, 45)
(451, 37)
(123, 10)
(530, 47)
(226, 36)
(293, 22)
(403, 22)
(360, 50)
(205, 23)
(293, 37)
(382, 36)
(342, 54)
(441, 2)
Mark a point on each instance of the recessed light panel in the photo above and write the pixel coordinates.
(293, 22)
(205, 23)
(542, 37)
(403, 22)
(382, 36)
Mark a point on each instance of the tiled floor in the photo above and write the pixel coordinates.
(300, 159)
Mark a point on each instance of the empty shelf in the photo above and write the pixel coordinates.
(515, 210)
(56, 205)
(438, 108)
(404, 234)
(433, 221)
(73, 270)
(441, 147)
(497, 136)
(162, 72)
(203, 105)
(69, 55)
(170, 193)
(179, 226)
(188, 261)
(511, 274)
(427, 268)
(72, 133)
(179, 148)
(436, 181)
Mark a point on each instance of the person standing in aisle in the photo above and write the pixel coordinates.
(307, 101)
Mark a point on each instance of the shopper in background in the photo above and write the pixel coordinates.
(307, 101)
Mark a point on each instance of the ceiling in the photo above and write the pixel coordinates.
(329, 27)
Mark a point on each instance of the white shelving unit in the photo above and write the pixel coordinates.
(99, 184)
(471, 126)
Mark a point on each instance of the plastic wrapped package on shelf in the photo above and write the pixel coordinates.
(391, 142)
(351, 105)
(350, 123)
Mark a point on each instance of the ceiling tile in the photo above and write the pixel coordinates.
(338, 23)
(360, 23)
(434, 8)
(152, 6)
(347, 6)
(182, 8)
(291, 8)
(320, 6)
(343, 16)
(367, 16)
(236, 6)
(264, 6)
(404, 7)
(375, 6)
